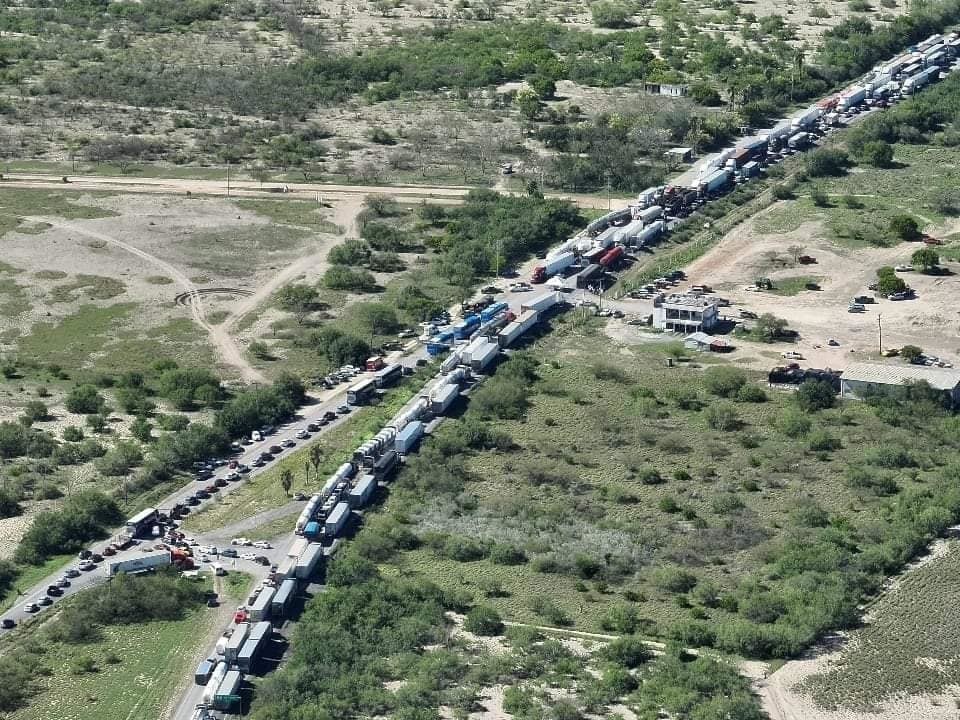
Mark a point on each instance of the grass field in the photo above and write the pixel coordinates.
(618, 461)
(789, 286)
(30, 575)
(137, 668)
(908, 646)
(290, 212)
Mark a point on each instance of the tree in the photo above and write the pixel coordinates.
(826, 162)
(769, 327)
(286, 481)
(610, 14)
(877, 153)
(888, 282)
(911, 353)
(483, 620)
(316, 457)
(813, 395)
(723, 380)
(35, 411)
(905, 227)
(85, 400)
(378, 318)
(528, 103)
(926, 258)
(543, 86)
(141, 429)
(298, 299)
(722, 416)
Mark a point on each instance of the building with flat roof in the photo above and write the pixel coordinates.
(685, 314)
(861, 378)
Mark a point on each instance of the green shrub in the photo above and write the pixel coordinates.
(723, 380)
(752, 394)
(483, 620)
(629, 651)
(85, 400)
(675, 580)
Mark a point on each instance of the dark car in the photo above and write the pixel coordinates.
(8, 623)
(329, 415)
(275, 449)
(45, 600)
(229, 552)
(203, 494)
(192, 500)
(220, 482)
(54, 590)
(96, 557)
(312, 427)
(213, 602)
(84, 554)
(262, 559)
(109, 551)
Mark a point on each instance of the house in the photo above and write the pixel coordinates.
(702, 342)
(861, 378)
(666, 89)
(685, 313)
(680, 154)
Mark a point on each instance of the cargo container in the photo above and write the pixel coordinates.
(807, 117)
(144, 563)
(236, 641)
(713, 182)
(611, 258)
(335, 521)
(852, 97)
(388, 375)
(750, 169)
(297, 547)
(312, 555)
(312, 530)
(920, 80)
(588, 274)
(648, 215)
(465, 327)
(361, 493)
(361, 392)
(444, 398)
(738, 159)
(798, 141)
(385, 465)
(492, 311)
(541, 303)
(482, 357)
(213, 684)
(518, 327)
(607, 237)
(201, 676)
(409, 438)
(286, 568)
(227, 696)
(260, 610)
(552, 267)
(593, 254)
(286, 594)
(649, 233)
(467, 353)
(253, 647)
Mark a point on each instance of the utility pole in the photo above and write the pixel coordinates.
(496, 260)
(879, 335)
(228, 178)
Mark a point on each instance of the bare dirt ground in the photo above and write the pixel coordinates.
(929, 321)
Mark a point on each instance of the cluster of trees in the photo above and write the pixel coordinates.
(83, 517)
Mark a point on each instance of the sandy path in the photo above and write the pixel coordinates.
(249, 188)
(221, 340)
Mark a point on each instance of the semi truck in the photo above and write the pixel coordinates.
(525, 321)
(919, 80)
(465, 327)
(589, 274)
(798, 141)
(489, 313)
(311, 557)
(227, 696)
(551, 267)
(260, 610)
(334, 523)
(713, 182)
(648, 215)
(443, 398)
(235, 642)
(649, 233)
(611, 258)
(409, 437)
(213, 684)
(852, 97)
(286, 594)
(542, 303)
(145, 563)
(361, 493)
(483, 356)
(253, 647)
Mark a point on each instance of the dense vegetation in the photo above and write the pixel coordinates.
(84, 517)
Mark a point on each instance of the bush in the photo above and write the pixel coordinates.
(650, 476)
(822, 441)
(483, 620)
(629, 651)
(814, 395)
(120, 460)
(73, 434)
(504, 554)
(668, 504)
(722, 416)
(905, 228)
(340, 277)
(877, 153)
(752, 394)
(794, 424)
(675, 580)
(83, 517)
(85, 400)
(826, 162)
(9, 507)
(610, 14)
(35, 411)
(723, 380)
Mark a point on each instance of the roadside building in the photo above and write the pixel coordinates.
(680, 154)
(862, 378)
(685, 314)
(706, 343)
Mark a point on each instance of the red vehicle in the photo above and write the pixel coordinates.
(611, 258)
(241, 615)
(374, 363)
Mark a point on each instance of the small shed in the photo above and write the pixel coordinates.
(680, 154)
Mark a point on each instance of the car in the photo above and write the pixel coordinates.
(897, 296)
(491, 290)
(202, 494)
(230, 476)
(212, 488)
(31, 608)
(222, 482)
(903, 268)
(240, 541)
(8, 623)
(313, 427)
(262, 560)
(275, 449)
(228, 552)
(96, 557)
(833, 343)
(262, 544)
(109, 551)
(299, 496)
(241, 615)
(212, 602)
(302, 434)
(406, 334)
(343, 409)
(258, 462)
(256, 436)
(63, 581)
(235, 446)
(46, 600)
(791, 355)
(204, 558)
(248, 556)
(54, 590)
(329, 415)
(84, 554)
(289, 443)
(421, 362)
(233, 464)
(243, 469)
(192, 500)
(72, 573)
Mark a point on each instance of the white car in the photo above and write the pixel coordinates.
(791, 355)
(240, 541)
(248, 556)
(262, 544)
(302, 434)
(903, 268)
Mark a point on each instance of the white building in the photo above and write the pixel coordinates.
(685, 314)
(861, 378)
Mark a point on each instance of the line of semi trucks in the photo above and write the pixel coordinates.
(478, 339)
(602, 245)
(327, 514)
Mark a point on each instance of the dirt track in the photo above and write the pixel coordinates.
(248, 188)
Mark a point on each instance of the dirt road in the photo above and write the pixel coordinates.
(224, 343)
(249, 188)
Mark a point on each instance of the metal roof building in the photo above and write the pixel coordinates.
(862, 377)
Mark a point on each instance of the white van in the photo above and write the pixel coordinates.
(218, 569)
(256, 436)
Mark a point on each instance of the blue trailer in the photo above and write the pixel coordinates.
(492, 311)
(312, 529)
(435, 349)
(466, 326)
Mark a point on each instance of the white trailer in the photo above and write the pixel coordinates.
(483, 356)
(361, 493)
(563, 247)
(650, 232)
(807, 117)
(260, 610)
(338, 518)
(649, 196)
(443, 398)
(297, 547)
(409, 437)
(287, 568)
(648, 215)
(852, 97)
(236, 641)
(307, 562)
(607, 238)
(541, 303)
(517, 328)
(213, 684)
